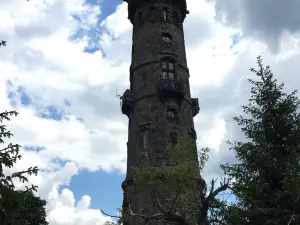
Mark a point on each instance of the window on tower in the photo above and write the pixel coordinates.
(168, 72)
(165, 14)
(144, 139)
(166, 37)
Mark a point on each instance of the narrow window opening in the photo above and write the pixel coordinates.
(171, 76)
(144, 139)
(164, 65)
(165, 14)
(164, 75)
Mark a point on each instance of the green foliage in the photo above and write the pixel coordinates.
(182, 169)
(17, 207)
(24, 208)
(267, 177)
(177, 181)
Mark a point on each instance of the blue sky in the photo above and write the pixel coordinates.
(103, 188)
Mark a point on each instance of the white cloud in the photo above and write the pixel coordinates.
(52, 68)
(66, 212)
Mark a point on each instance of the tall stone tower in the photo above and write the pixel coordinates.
(158, 104)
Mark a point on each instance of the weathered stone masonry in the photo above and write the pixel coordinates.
(158, 104)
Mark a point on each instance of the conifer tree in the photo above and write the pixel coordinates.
(267, 175)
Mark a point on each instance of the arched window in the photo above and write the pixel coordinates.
(165, 14)
(168, 70)
(144, 139)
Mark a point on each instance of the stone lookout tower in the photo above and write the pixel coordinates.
(158, 104)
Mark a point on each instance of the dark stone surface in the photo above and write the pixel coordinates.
(165, 111)
(135, 5)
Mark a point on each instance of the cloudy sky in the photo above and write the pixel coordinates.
(65, 58)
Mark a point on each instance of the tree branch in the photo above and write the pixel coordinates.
(106, 214)
(224, 185)
(145, 217)
(177, 195)
(292, 218)
(217, 221)
(161, 209)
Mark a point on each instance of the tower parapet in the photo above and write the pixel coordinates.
(136, 5)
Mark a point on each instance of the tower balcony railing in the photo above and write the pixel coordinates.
(127, 102)
(171, 88)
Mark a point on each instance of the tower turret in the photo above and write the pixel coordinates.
(158, 104)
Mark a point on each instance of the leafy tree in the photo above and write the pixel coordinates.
(17, 207)
(182, 187)
(267, 176)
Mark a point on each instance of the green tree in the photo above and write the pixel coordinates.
(180, 184)
(267, 175)
(17, 207)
